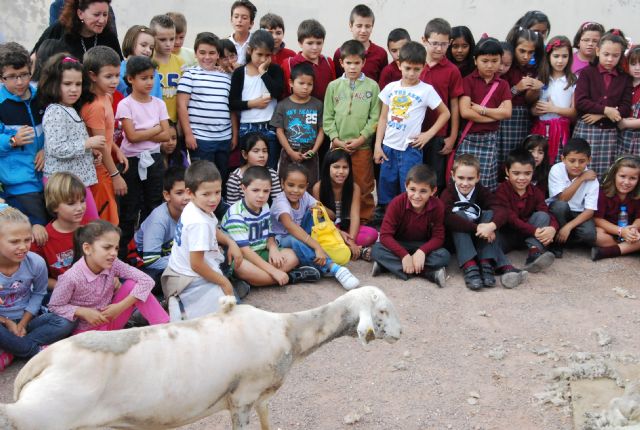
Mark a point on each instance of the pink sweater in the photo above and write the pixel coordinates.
(80, 287)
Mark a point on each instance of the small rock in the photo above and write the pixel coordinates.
(352, 418)
(624, 293)
(497, 353)
(484, 314)
(604, 338)
(406, 354)
(367, 410)
(541, 351)
(474, 394)
(472, 401)
(401, 365)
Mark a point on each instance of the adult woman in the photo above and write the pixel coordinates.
(83, 24)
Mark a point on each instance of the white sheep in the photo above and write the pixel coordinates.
(174, 374)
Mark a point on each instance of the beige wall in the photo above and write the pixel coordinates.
(28, 18)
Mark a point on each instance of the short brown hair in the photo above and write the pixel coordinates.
(466, 160)
(63, 187)
(179, 20)
(200, 171)
(131, 38)
(271, 21)
(422, 174)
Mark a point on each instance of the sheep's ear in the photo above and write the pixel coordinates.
(366, 331)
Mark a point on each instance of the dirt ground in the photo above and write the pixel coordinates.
(467, 360)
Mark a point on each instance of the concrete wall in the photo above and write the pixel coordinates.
(24, 20)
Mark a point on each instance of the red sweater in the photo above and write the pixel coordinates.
(324, 74)
(375, 60)
(282, 55)
(390, 73)
(592, 97)
(402, 223)
(481, 196)
(518, 209)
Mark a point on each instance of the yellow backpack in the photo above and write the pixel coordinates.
(327, 235)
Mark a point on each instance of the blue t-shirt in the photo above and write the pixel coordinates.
(24, 290)
(155, 238)
(282, 206)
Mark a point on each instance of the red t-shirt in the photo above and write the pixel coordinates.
(57, 252)
(279, 57)
(390, 73)
(475, 87)
(375, 60)
(445, 77)
(324, 74)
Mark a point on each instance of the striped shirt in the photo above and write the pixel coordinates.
(208, 106)
(234, 192)
(248, 228)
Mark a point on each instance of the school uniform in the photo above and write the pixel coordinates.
(324, 72)
(596, 89)
(445, 77)
(609, 207)
(482, 139)
(375, 60)
(280, 56)
(390, 73)
(629, 139)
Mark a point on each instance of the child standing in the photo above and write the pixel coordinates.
(86, 292)
(139, 40)
(447, 81)
(603, 98)
(255, 88)
(629, 134)
(342, 197)
(472, 217)
(67, 145)
(538, 147)
(573, 191)
(243, 14)
(145, 123)
(398, 37)
(298, 123)
(521, 77)
(255, 153)
(291, 221)
(274, 24)
(361, 21)
(412, 232)
(193, 275)
(351, 112)
(528, 221)
(555, 109)
(248, 222)
(404, 105)
(460, 51)
(186, 54)
(485, 103)
(21, 139)
(169, 64)
(23, 276)
(586, 41)
(203, 106)
(101, 64)
(311, 36)
(620, 191)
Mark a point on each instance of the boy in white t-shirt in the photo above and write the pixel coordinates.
(193, 278)
(404, 104)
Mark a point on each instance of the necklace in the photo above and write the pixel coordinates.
(95, 42)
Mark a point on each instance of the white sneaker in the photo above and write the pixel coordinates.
(174, 310)
(346, 279)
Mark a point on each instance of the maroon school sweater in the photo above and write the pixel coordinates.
(520, 208)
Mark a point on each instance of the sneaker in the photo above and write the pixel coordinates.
(438, 277)
(241, 288)
(346, 279)
(173, 309)
(488, 278)
(5, 360)
(513, 277)
(376, 269)
(556, 250)
(538, 261)
(304, 274)
(472, 278)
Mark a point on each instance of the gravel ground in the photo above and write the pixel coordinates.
(467, 360)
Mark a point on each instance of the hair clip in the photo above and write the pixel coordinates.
(587, 24)
(555, 44)
(484, 36)
(69, 60)
(615, 32)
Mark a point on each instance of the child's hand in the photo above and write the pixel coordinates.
(97, 157)
(353, 144)
(535, 84)
(12, 327)
(588, 175)
(279, 276)
(95, 142)
(296, 156)
(262, 68)
(259, 103)
(321, 257)
(276, 259)
(190, 142)
(563, 234)
(22, 329)
(421, 140)
(92, 316)
(484, 230)
(308, 155)
(112, 311)
(591, 118)
(227, 288)
(407, 264)
(630, 234)
(40, 235)
(24, 135)
(612, 113)
(38, 161)
(234, 254)
(545, 235)
(122, 159)
(449, 143)
(523, 85)
(119, 185)
(378, 156)
(418, 261)
(544, 107)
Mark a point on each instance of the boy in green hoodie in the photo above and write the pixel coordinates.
(351, 111)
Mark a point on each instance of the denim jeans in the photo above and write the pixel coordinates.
(268, 133)
(216, 151)
(386, 258)
(42, 330)
(305, 253)
(393, 171)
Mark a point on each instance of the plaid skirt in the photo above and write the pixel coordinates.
(512, 131)
(629, 142)
(604, 143)
(483, 147)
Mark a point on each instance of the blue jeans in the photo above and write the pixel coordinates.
(393, 171)
(216, 151)
(268, 133)
(43, 330)
(305, 253)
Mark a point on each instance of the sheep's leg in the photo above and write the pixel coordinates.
(262, 408)
(240, 416)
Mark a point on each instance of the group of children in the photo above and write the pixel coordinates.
(124, 177)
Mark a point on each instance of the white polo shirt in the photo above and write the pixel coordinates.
(585, 197)
(556, 93)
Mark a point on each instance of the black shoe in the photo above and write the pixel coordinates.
(488, 278)
(376, 269)
(556, 250)
(438, 276)
(538, 261)
(472, 278)
(304, 274)
(513, 277)
(241, 288)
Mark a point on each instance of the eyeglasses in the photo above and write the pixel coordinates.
(15, 78)
(594, 41)
(438, 44)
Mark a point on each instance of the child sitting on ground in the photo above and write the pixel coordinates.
(574, 193)
(412, 232)
(248, 222)
(528, 222)
(87, 292)
(472, 218)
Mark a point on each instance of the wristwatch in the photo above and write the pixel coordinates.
(514, 91)
(12, 142)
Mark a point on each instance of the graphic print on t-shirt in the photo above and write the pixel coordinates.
(399, 107)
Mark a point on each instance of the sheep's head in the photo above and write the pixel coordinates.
(378, 317)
